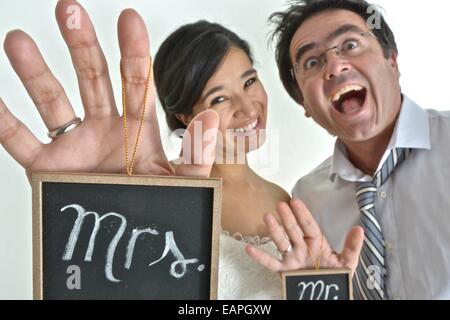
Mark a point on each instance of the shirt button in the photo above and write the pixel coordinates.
(388, 246)
(383, 195)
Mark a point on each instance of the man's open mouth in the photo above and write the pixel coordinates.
(349, 99)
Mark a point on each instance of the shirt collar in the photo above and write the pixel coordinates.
(412, 130)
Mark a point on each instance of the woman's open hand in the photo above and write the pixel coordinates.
(97, 145)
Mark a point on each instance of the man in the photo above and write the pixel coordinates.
(390, 169)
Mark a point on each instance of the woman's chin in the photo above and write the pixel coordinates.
(252, 142)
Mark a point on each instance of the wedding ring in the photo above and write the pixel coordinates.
(69, 126)
(289, 249)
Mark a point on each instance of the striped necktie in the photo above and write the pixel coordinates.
(370, 275)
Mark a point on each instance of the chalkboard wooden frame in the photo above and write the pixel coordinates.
(165, 181)
(286, 275)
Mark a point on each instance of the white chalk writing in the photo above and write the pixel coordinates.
(324, 290)
(73, 238)
(130, 249)
(170, 244)
(172, 247)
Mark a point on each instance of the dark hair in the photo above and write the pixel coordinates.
(287, 23)
(186, 61)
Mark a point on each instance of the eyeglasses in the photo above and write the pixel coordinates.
(354, 44)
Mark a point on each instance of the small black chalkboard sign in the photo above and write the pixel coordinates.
(120, 237)
(328, 284)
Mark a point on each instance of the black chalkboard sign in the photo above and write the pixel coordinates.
(318, 285)
(120, 237)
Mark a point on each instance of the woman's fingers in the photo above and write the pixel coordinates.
(264, 259)
(44, 89)
(199, 145)
(352, 247)
(88, 59)
(137, 74)
(17, 140)
(136, 63)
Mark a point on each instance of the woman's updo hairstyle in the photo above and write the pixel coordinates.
(186, 61)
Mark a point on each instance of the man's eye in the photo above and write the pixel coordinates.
(350, 45)
(311, 63)
(217, 101)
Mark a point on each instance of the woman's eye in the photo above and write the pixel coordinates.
(350, 45)
(217, 101)
(311, 63)
(249, 82)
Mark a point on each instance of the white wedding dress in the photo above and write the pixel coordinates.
(241, 278)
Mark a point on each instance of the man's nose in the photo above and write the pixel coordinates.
(335, 65)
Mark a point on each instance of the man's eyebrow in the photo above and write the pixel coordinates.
(333, 35)
(218, 88)
(303, 49)
(343, 29)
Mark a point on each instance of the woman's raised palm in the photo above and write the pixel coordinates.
(97, 145)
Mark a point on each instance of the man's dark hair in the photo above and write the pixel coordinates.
(186, 61)
(287, 22)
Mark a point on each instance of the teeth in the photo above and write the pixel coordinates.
(337, 95)
(247, 128)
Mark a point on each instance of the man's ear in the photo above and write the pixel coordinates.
(184, 118)
(393, 61)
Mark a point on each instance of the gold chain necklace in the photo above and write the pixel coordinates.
(129, 165)
(316, 260)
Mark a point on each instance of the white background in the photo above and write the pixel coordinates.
(420, 27)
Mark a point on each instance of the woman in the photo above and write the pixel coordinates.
(206, 66)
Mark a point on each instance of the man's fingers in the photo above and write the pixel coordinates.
(44, 89)
(136, 62)
(352, 247)
(306, 221)
(277, 233)
(15, 137)
(263, 258)
(199, 145)
(88, 59)
(290, 224)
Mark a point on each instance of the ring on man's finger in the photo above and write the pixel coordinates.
(69, 126)
(289, 249)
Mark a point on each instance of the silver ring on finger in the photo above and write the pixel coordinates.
(69, 126)
(289, 249)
